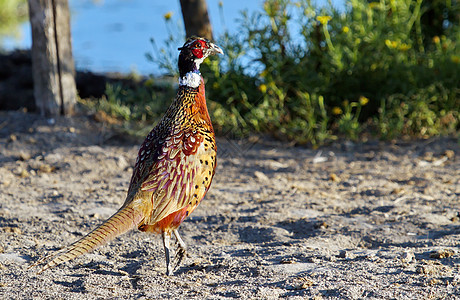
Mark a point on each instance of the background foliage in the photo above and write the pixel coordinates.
(388, 68)
(12, 13)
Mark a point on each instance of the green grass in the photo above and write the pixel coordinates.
(133, 110)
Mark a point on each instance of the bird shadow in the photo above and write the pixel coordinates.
(77, 286)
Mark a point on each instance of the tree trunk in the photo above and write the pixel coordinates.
(53, 67)
(196, 18)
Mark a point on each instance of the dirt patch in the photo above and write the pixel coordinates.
(350, 221)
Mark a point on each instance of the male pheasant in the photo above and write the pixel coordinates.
(173, 170)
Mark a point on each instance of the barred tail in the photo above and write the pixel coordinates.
(122, 221)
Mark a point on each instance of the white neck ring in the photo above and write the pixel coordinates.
(191, 79)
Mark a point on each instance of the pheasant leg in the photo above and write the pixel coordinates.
(166, 243)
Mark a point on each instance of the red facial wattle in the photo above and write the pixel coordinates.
(198, 47)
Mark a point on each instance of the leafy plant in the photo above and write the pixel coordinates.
(311, 74)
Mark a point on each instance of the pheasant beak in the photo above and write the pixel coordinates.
(214, 49)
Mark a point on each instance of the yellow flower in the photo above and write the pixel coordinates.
(391, 44)
(323, 19)
(345, 29)
(363, 100)
(455, 59)
(336, 110)
(168, 15)
(263, 88)
(221, 3)
(404, 47)
(436, 39)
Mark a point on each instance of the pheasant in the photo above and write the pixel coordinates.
(173, 171)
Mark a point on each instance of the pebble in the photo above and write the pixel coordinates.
(449, 154)
(293, 268)
(5, 182)
(45, 168)
(261, 176)
(308, 283)
(24, 156)
(121, 162)
(407, 257)
(442, 253)
(14, 230)
(95, 215)
(427, 269)
(346, 254)
(53, 158)
(23, 173)
(334, 177)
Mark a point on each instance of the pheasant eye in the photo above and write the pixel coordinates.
(198, 45)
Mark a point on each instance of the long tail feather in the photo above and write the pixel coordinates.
(122, 221)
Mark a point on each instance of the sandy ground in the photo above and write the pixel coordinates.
(350, 221)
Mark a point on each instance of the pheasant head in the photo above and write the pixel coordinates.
(192, 54)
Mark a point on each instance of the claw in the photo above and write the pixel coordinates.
(180, 254)
(181, 249)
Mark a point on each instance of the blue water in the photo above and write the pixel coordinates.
(114, 35)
